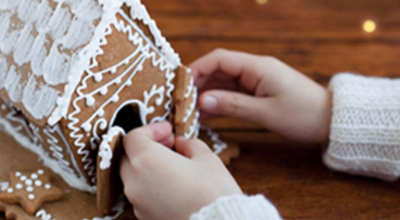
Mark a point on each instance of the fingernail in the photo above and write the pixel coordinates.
(209, 103)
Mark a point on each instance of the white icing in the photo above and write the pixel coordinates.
(31, 196)
(218, 145)
(189, 88)
(72, 180)
(192, 106)
(34, 176)
(66, 60)
(194, 128)
(95, 121)
(39, 100)
(19, 186)
(43, 215)
(38, 183)
(105, 151)
(28, 182)
(29, 189)
(72, 169)
(118, 210)
(70, 26)
(23, 178)
(10, 190)
(47, 186)
(4, 185)
(17, 174)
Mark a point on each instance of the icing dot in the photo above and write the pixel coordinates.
(115, 99)
(47, 186)
(87, 127)
(118, 81)
(28, 182)
(17, 174)
(90, 101)
(34, 176)
(19, 186)
(104, 91)
(10, 190)
(129, 83)
(40, 172)
(3, 107)
(29, 189)
(189, 71)
(38, 183)
(113, 70)
(101, 112)
(31, 196)
(23, 178)
(98, 77)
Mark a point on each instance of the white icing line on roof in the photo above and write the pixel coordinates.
(110, 8)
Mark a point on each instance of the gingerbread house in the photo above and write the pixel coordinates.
(76, 75)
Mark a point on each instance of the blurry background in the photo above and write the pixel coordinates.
(319, 38)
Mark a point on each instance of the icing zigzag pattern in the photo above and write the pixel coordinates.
(144, 51)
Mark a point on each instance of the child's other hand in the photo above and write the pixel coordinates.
(263, 90)
(162, 184)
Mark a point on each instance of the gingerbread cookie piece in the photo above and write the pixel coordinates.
(14, 212)
(30, 190)
(185, 96)
(109, 185)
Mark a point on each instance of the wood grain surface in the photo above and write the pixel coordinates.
(319, 38)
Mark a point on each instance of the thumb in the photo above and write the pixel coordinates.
(233, 104)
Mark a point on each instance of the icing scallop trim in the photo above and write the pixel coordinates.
(110, 8)
(105, 151)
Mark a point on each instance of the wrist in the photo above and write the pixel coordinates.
(326, 117)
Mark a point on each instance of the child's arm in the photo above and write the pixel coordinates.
(364, 136)
(162, 184)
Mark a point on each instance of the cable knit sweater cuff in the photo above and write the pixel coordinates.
(238, 207)
(365, 128)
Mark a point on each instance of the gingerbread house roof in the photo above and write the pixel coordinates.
(46, 46)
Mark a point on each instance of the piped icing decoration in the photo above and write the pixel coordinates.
(4, 186)
(117, 211)
(25, 40)
(77, 30)
(30, 197)
(105, 151)
(194, 128)
(145, 51)
(60, 158)
(192, 106)
(74, 27)
(218, 145)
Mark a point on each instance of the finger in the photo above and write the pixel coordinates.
(127, 175)
(233, 104)
(236, 64)
(169, 142)
(146, 138)
(192, 148)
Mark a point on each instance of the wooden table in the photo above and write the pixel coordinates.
(319, 38)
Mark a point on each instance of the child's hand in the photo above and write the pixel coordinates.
(162, 184)
(265, 91)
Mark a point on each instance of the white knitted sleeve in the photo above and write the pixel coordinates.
(238, 207)
(365, 128)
